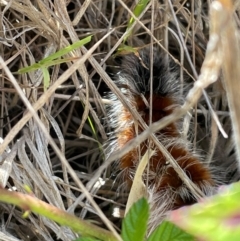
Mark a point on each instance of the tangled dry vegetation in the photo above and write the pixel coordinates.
(72, 109)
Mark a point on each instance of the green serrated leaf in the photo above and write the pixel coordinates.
(215, 219)
(86, 239)
(169, 232)
(134, 225)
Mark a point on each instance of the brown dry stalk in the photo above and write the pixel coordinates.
(231, 66)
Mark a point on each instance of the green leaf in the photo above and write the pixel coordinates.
(86, 239)
(137, 11)
(46, 78)
(134, 225)
(169, 232)
(67, 49)
(29, 68)
(125, 49)
(215, 219)
(52, 59)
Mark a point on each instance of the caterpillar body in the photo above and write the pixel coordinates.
(166, 189)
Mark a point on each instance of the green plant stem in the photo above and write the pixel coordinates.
(30, 203)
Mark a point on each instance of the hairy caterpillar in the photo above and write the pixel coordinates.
(166, 190)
